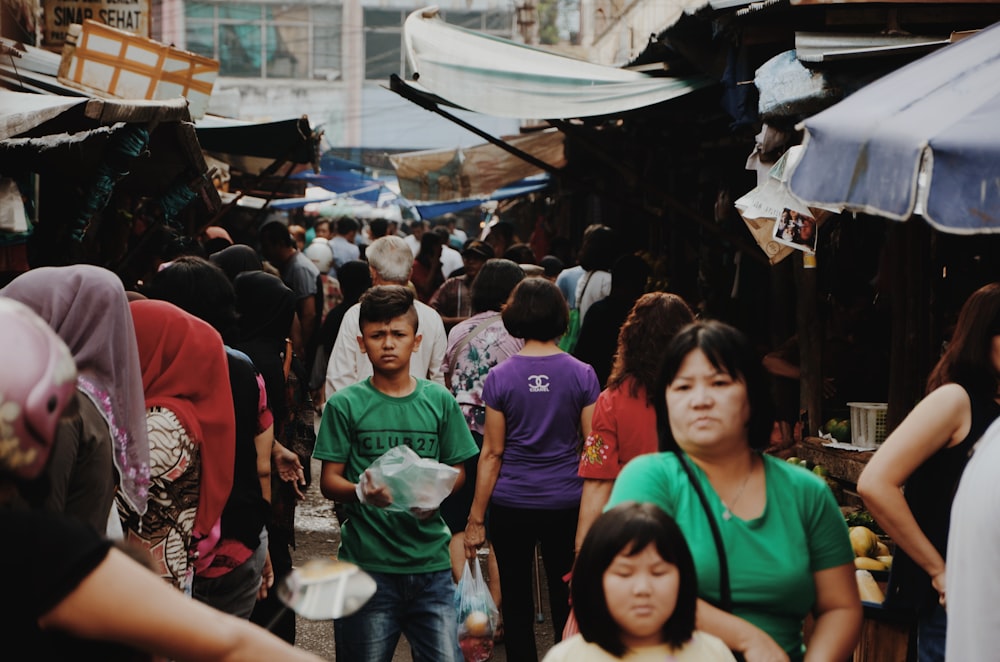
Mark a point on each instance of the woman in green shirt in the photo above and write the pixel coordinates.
(785, 541)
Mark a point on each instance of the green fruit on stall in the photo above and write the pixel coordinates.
(841, 431)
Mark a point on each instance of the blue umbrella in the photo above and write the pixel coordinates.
(923, 140)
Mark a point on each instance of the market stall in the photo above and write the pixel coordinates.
(918, 143)
(885, 635)
(921, 142)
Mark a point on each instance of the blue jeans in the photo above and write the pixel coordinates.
(931, 629)
(420, 606)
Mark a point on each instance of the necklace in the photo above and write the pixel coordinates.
(727, 509)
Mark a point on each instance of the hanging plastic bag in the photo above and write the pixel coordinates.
(477, 614)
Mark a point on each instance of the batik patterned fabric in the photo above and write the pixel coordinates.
(184, 370)
(166, 527)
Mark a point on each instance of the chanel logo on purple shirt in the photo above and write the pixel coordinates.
(538, 383)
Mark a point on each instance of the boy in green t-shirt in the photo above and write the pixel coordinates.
(405, 552)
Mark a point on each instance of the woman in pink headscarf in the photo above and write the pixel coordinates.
(192, 436)
(87, 307)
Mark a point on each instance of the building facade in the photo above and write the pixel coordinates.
(330, 61)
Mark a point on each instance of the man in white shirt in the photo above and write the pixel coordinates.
(451, 259)
(458, 234)
(417, 229)
(390, 262)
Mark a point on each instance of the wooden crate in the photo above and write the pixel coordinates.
(106, 61)
(884, 637)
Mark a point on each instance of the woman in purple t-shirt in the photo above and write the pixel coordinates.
(538, 408)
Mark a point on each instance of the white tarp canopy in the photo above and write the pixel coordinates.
(502, 78)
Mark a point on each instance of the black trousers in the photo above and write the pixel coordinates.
(514, 533)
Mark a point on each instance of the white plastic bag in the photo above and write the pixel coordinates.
(477, 614)
(416, 483)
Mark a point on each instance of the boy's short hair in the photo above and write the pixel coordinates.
(387, 302)
(537, 310)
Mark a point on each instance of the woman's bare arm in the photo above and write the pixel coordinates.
(123, 602)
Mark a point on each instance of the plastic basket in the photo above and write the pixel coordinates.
(867, 423)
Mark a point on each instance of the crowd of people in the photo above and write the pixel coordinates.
(157, 439)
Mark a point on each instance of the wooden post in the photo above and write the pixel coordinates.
(911, 355)
(810, 343)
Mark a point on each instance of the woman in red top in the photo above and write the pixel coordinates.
(624, 423)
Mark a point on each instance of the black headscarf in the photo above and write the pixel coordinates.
(355, 278)
(237, 259)
(266, 307)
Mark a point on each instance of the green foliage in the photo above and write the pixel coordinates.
(863, 518)
(548, 22)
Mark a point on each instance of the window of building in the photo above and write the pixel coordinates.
(383, 43)
(267, 40)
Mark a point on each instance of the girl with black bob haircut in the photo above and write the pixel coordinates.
(731, 353)
(628, 529)
(536, 310)
(635, 593)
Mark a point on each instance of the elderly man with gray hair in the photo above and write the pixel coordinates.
(390, 262)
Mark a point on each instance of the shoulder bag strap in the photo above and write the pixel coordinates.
(467, 339)
(586, 282)
(725, 595)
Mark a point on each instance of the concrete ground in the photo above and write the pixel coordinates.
(317, 535)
